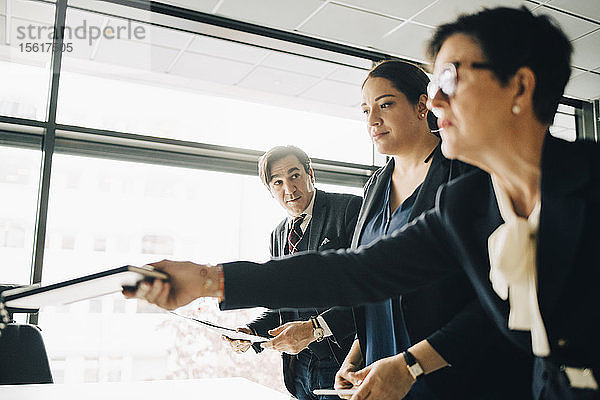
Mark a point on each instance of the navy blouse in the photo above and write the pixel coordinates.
(386, 335)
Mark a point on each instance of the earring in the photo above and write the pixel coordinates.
(422, 115)
(516, 109)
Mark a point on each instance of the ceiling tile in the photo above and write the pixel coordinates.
(358, 27)
(576, 72)
(75, 19)
(586, 53)
(135, 55)
(125, 30)
(158, 36)
(334, 92)
(565, 134)
(80, 48)
(588, 8)
(30, 22)
(20, 32)
(18, 37)
(446, 10)
(227, 49)
(564, 121)
(408, 41)
(350, 75)
(285, 14)
(121, 29)
(212, 69)
(585, 86)
(565, 109)
(574, 27)
(276, 81)
(33, 11)
(392, 8)
(532, 6)
(302, 65)
(79, 22)
(205, 6)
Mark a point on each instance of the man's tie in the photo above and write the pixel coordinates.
(295, 235)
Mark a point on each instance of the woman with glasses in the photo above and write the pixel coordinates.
(540, 202)
(399, 124)
(524, 230)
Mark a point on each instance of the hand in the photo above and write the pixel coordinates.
(187, 281)
(239, 345)
(342, 377)
(291, 337)
(386, 379)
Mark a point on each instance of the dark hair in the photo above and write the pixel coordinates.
(276, 154)
(408, 78)
(511, 38)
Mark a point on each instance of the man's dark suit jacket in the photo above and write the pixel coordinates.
(445, 305)
(331, 226)
(452, 238)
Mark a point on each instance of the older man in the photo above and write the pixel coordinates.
(313, 342)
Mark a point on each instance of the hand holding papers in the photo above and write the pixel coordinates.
(385, 379)
(239, 345)
(291, 337)
(187, 282)
(82, 288)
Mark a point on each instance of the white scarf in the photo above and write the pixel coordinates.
(512, 249)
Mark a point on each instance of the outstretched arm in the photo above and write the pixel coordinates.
(413, 256)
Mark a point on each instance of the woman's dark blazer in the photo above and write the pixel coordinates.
(442, 305)
(453, 237)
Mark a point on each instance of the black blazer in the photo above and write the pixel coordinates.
(441, 305)
(331, 226)
(452, 238)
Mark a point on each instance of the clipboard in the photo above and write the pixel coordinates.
(82, 288)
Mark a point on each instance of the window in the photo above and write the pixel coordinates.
(24, 67)
(176, 84)
(99, 243)
(226, 217)
(160, 121)
(19, 180)
(564, 123)
(157, 244)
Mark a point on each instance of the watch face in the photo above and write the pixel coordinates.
(318, 333)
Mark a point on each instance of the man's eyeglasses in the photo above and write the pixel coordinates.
(447, 78)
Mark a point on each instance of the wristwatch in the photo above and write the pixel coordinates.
(318, 331)
(412, 364)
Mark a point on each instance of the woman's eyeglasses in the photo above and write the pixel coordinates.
(446, 79)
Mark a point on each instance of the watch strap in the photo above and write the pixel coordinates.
(318, 331)
(315, 322)
(414, 368)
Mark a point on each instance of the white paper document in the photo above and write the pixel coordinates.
(335, 392)
(229, 332)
